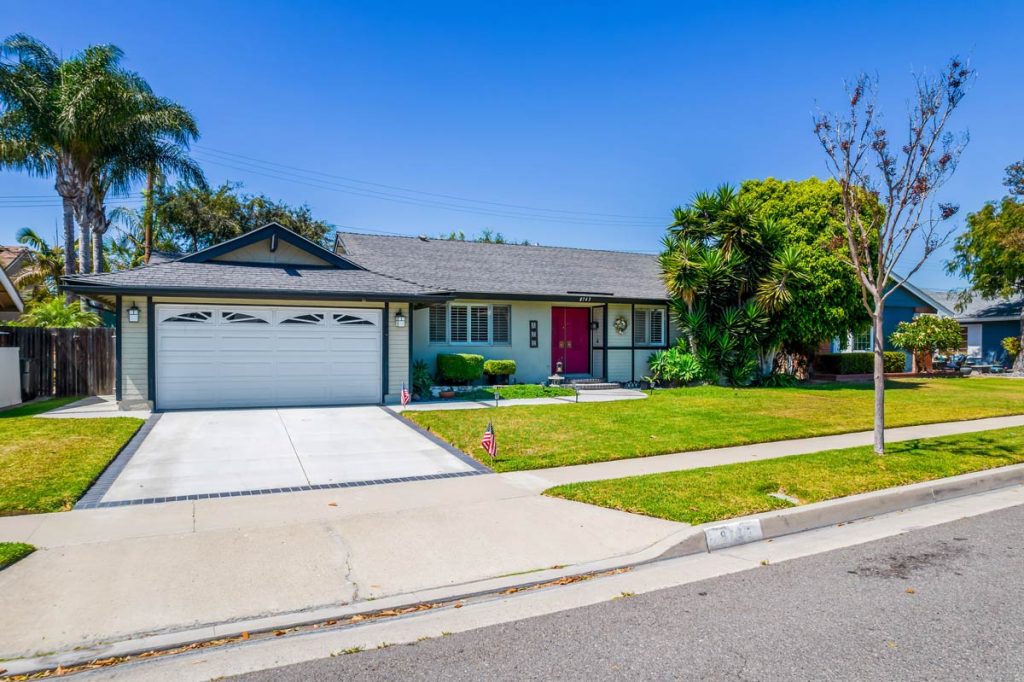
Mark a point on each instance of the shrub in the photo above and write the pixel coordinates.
(460, 368)
(505, 367)
(927, 334)
(421, 378)
(894, 360)
(859, 363)
(1011, 344)
(675, 365)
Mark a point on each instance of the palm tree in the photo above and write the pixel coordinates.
(57, 313)
(42, 275)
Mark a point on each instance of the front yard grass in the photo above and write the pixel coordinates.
(47, 464)
(678, 420)
(722, 492)
(516, 391)
(10, 552)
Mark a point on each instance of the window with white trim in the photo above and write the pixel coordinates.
(648, 326)
(470, 323)
(861, 341)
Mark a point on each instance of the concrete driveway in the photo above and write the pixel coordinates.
(227, 452)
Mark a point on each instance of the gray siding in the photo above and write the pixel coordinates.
(134, 355)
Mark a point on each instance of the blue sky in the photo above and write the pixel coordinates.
(578, 124)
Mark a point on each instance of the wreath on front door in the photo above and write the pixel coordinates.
(620, 325)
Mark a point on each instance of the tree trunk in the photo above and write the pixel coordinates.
(147, 218)
(84, 248)
(97, 251)
(879, 376)
(69, 243)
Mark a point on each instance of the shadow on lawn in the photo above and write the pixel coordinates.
(985, 447)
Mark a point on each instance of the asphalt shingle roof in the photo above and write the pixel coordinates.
(229, 277)
(479, 268)
(980, 309)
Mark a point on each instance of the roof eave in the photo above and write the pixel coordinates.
(208, 292)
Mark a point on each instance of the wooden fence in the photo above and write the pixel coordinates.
(65, 361)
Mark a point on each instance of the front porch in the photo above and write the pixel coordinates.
(593, 342)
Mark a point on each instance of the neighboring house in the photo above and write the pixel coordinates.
(270, 318)
(12, 260)
(985, 323)
(903, 305)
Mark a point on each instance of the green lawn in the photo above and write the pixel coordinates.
(677, 420)
(722, 492)
(11, 552)
(47, 464)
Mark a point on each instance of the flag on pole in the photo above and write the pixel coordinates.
(405, 396)
(489, 441)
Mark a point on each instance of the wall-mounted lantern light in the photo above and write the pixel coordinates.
(133, 313)
(399, 319)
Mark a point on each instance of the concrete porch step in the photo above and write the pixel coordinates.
(594, 385)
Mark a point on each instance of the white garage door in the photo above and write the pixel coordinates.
(254, 356)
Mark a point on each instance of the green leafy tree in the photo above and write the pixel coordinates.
(41, 276)
(903, 175)
(990, 252)
(827, 303)
(57, 313)
(487, 236)
(926, 335)
(730, 274)
(193, 218)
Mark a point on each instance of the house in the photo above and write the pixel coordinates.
(12, 260)
(903, 305)
(984, 323)
(271, 319)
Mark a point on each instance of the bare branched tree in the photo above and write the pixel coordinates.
(889, 188)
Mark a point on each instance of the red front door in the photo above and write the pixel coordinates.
(570, 340)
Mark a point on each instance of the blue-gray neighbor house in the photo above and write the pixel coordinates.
(984, 323)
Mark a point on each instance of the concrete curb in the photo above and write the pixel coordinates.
(688, 541)
(847, 509)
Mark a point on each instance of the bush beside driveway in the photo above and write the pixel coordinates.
(47, 464)
(722, 492)
(686, 419)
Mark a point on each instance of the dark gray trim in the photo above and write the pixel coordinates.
(384, 335)
(436, 440)
(265, 232)
(408, 326)
(272, 491)
(151, 351)
(118, 391)
(92, 290)
(632, 349)
(500, 296)
(94, 494)
(604, 343)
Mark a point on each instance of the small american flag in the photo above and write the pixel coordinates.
(405, 396)
(489, 442)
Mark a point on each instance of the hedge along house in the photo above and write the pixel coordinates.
(270, 319)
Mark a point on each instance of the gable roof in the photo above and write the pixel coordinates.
(981, 309)
(12, 256)
(273, 233)
(509, 270)
(10, 299)
(182, 277)
(925, 296)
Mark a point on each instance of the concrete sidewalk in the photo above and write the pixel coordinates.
(108, 574)
(586, 396)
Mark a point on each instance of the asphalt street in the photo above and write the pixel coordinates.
(945, 602)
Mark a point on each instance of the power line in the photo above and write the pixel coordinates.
(375, 194)
(235, 157)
